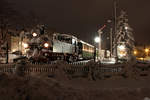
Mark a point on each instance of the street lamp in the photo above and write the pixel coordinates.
(135, 53)
(100, 33)
(97, 39)
(126, 27)
(146, 51)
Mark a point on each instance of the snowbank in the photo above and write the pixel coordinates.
(37, 88)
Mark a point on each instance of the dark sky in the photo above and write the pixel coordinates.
(84, 17)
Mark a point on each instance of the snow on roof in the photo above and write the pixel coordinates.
(86, 43)
(75, 38)
(67, 35)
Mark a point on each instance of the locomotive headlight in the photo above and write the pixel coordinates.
(34, 34)
(25, 45)
(46, 45)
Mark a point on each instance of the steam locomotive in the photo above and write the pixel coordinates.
(46, 48)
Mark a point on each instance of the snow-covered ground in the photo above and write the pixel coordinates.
(60, 87)
(42, 88)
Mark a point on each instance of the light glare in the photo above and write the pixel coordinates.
(146, 50)
(97, 39)
(34, 34)
(121, 47)
(135, 52)
(46, 45)
(126, 27)
(25, 45)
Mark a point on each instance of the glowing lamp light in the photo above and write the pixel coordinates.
(135, 52)
(126, 27)
(146, 50)
(121, 47)
(122, 53)
(14, 50)
(97, 39)
(141, 58)
(34, 34)
(46, 45)
(25, 45)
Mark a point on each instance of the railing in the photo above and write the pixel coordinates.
(70, 69)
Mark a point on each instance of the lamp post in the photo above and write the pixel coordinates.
(100, 48)
(97, 40)
(146, 51)
(135, 52)
(100, 34)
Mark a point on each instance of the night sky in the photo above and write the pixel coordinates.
(83, 17)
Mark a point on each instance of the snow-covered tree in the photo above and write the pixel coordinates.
(124, 35)
(7, 19)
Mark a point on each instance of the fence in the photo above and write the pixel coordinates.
(71, 69)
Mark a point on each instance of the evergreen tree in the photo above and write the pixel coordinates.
(124, 35)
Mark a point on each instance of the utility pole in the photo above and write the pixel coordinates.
(115, 29)
(115, 14)
(111, 50)
(7, 57)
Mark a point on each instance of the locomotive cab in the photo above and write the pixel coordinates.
(64, 43)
